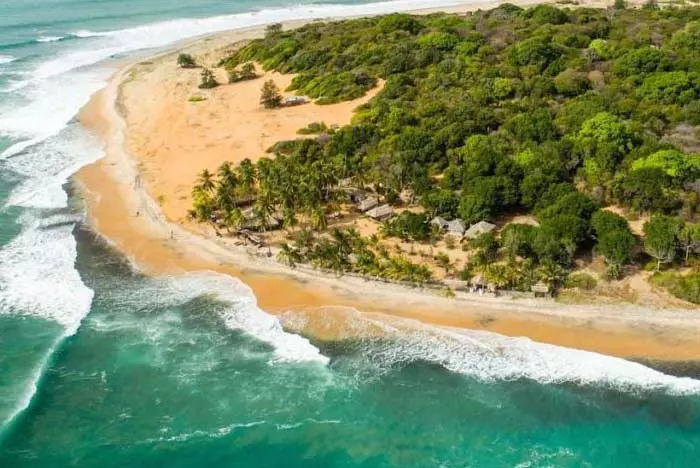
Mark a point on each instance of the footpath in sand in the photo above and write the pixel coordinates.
(156, 142)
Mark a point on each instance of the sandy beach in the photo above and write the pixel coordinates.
(156, 140)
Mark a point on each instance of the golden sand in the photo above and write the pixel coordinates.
(169, 140)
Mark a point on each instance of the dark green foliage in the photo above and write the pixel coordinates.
(544, 110)
(313, 128)
(615, 240)
(270, 96)
(518, 239)
(399, 22)
(676, 87)
(273, 29)
(186, 61)
(686, 287)
(644, 190)
(408, 226)
(547, 14)
(443, 203)
(247, 72)
(208, 79)
(333, 87)
(660, 238)
(642, 61)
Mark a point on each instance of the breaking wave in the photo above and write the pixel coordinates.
(488, 356)
(50, 38)
(241, 312)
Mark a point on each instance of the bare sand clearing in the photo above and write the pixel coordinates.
(326, 306)
(175, 138)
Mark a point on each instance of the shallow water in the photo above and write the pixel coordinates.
(100, 366)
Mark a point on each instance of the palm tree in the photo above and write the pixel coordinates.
(227, 176)
(247, 176)
(235, 219)
(289, 256)
(205, 181)
(263, 212)
(497, 275)
(318, 219)
(289, 218)
(552, 273)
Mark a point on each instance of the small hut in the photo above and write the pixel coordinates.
(482, 227)
(380, 213)
(456, 227)
(440, 222)
(367, 204)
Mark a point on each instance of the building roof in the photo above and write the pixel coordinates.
(482, 227)
(367, 204)
(380, 212)
(439, 221)
(456, 226)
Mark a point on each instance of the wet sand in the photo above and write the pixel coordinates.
(122, 209)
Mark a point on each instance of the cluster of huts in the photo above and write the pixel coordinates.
(458, 228)
(370, 207)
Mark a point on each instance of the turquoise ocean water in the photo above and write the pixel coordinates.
(101, 367)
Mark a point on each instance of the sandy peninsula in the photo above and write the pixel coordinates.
(155, 142)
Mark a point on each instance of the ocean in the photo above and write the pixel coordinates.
(103, 367)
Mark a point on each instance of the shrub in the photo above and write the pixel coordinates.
(582, 281)
(686, 287)
(313, 128)
(208, 80)
(186, 61)
(270, 96)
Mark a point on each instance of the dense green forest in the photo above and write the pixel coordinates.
(549, 111)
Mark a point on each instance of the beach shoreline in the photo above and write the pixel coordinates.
(127, 214)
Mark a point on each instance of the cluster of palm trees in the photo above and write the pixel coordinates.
(282, 189)
(345, 250)
(501, 267)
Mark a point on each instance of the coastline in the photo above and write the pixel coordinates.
(160, 247)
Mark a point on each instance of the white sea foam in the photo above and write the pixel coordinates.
(49, 38)
(491, 357)
(117, 42)
(6, 59)
(48, 165)
(37, 277)
(240, 313)
(84, 33)
(244, 314)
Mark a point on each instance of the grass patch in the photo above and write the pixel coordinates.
(582, 281)
(686, 287)
(313, 128)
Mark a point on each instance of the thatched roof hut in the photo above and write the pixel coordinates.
(380, 213)
(482, 227)
(367, 204)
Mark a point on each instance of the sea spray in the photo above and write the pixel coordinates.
(239, 313)
(389, 341)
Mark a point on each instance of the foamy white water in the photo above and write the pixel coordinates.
(48, 165)
(491, 357)
(6, 59)
(49, 38)
(243, 313)
(38, 278)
